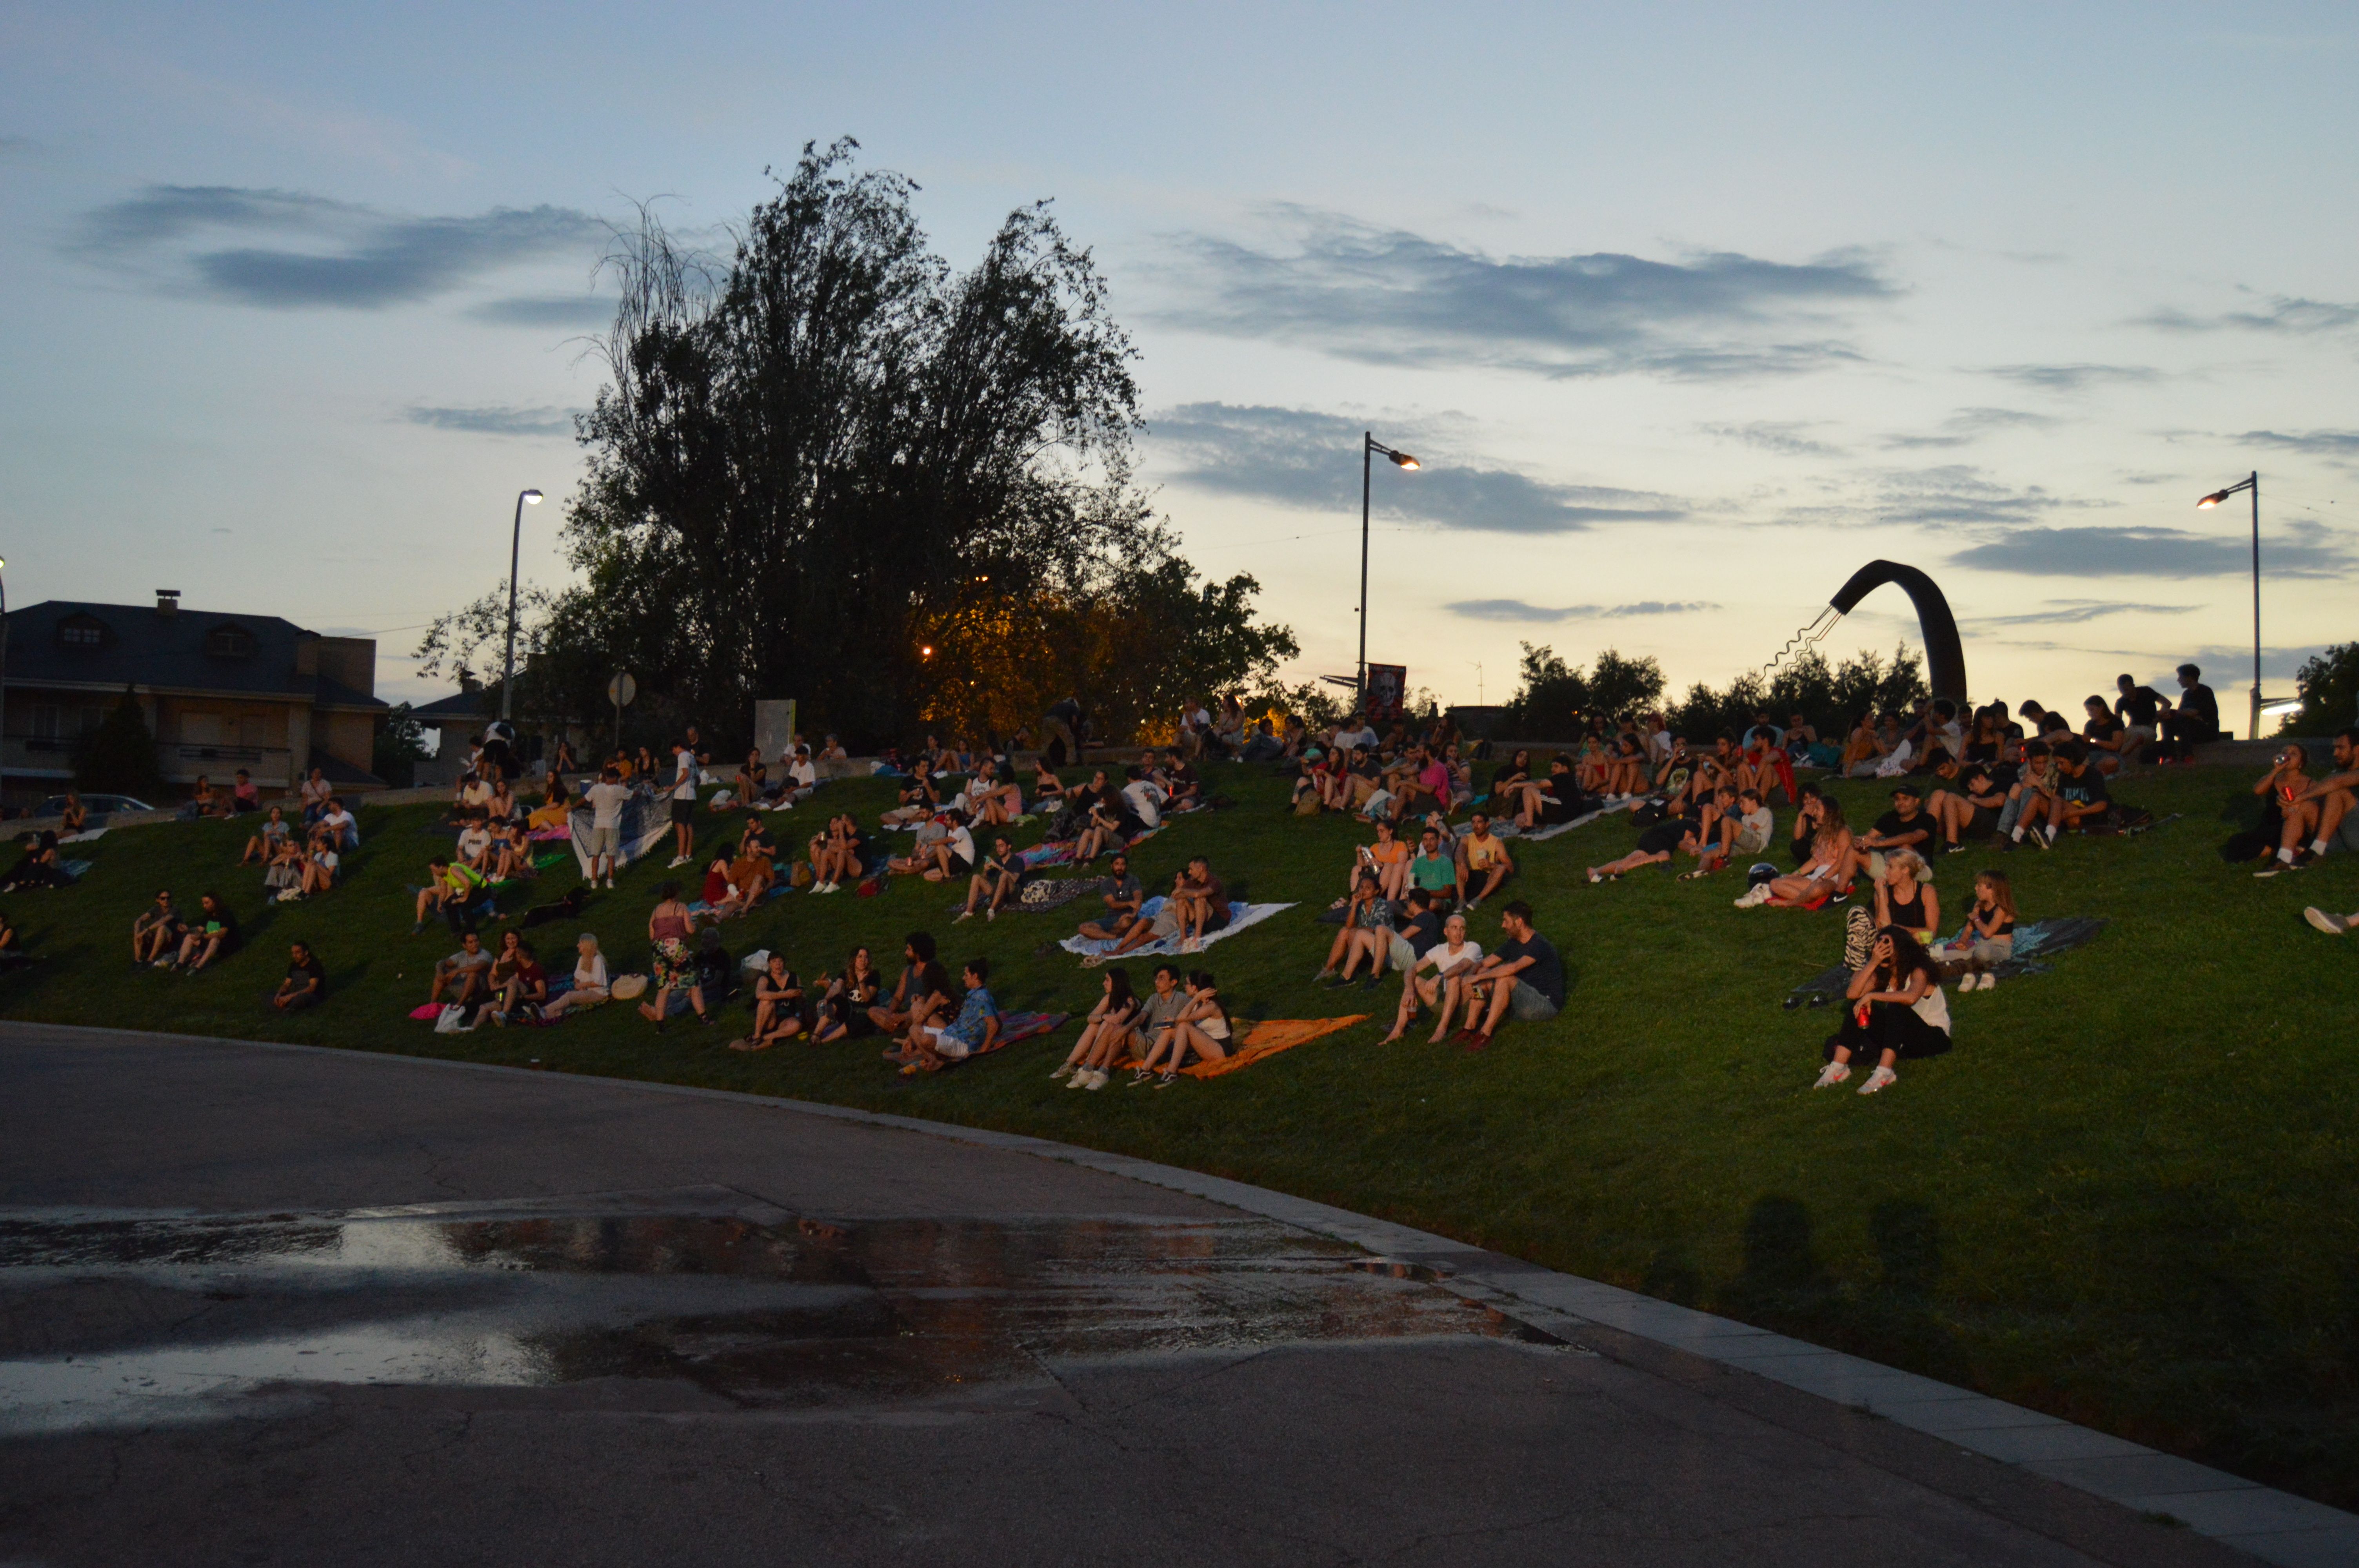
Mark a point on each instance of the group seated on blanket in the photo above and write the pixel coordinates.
(930, 1036)
(1182, 1014)
(997, 882)
(839, 854)
(1122, 899)
(944, 851)
(2309, 818)
(40, 865)
(1197, 906)
(1894, 1007)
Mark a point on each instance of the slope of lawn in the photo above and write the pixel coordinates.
(2126, 1197)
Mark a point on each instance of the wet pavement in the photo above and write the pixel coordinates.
(264, 1306)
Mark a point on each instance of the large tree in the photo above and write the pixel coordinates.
(832, 451)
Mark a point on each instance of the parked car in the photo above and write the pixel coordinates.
(95, 805)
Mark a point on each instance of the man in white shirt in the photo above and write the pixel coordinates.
(340, 824)
(1364, 736)
(683, 801)
(475, 844)
(1145, 798)
(606, 798)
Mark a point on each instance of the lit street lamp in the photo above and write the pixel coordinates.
(515, 542)
(2253, 483)
(1369, 447)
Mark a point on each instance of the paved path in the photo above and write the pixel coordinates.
(265, 1305)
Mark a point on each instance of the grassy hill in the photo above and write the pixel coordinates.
(2125, 1198)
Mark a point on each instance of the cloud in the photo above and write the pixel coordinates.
(2317, 443)
(1958, 494)
(2282, 314)
(495, 420)
(2311, 552)
(1517, 610)
(546, 310)
(2076, 613)
(1968, 425)
(1389, 297)
(2073, 377)
(16, 145)
(1784, 438)
(328, 253)
(1301, 458)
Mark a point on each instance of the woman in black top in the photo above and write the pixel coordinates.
(1903, 902)
(1895, 1008)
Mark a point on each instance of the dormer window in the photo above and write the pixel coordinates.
(229, 641)
(81, 632)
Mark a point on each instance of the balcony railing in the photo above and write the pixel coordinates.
(270, 766)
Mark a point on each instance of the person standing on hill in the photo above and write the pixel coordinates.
(683, 801)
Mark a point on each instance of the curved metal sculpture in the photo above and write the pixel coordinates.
(1945, 656)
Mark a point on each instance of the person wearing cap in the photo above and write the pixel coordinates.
(1907, 825)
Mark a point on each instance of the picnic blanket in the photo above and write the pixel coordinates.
(1015, 1026)
(1056, 852)
(1045, 894)
(1240, 916)
(2033, 944)
(644, 825)
(84, 837)
(1269, 1037)
(1553, 829)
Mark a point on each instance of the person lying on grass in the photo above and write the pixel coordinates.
(1828, 872)
(778, 1008)
(1121, 900)
(920, 977)
(466, 973)
(2078, 800)
(1483, 863)
(1659, 839)
(306, 984)
(1202, 1027)
(996, 883)
(1108, 1027)
(157, 930)
(974, 1032)
(589, 980)
(846, 999)
(1452, 958)
(1522, 979)
(266, 839)
(1988, 940)
(208, 938)
(450, 889)
(1904, 900)
(1896, 1007)
(1367, 932)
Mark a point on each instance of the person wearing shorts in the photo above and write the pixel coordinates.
(971, 1034)
(683, 802)
(606, 798)
(1523, 979)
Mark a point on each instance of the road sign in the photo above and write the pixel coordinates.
(622, 689)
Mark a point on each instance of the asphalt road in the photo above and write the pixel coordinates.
(264, 1306)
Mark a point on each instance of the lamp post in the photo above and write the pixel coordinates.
(2253, 483)
(1369, 447)
(515, 544)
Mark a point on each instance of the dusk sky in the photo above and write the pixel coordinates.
(1690, 310)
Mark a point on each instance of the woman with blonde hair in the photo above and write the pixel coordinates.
(589, 980)
(1904, 899)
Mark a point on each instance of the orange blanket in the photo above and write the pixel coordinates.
(1269, 1038)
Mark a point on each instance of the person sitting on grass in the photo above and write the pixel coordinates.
(473, 847)
(754, 867)
(1483, 863)
(1905, 826)
(1522, 979)
(157, 930)
(1388, 858)
(1895, 1008)
(1729, 827)
(210, 936)
(2106, 735)
(466, 973)
(590, 987)
(1434, 869)
(974, 1031)
(996, 883)
(1971, 810)
(306, 984)
(1181, 782)
(12, 945)
(510, 858)
(1833, 860)
(846, 999)
(39, 866)
(2316, 810)
(1048, 789)
(917, 800)
(719, 894)
(1122, 898)
(1904, 900)
(1107, 825)
(266, 839)
(1367, 933)
(778, 1009)
(556, 807)
(75, 817)
(1196, 907)
(524, 991)
(2079, 802)
(1108, 1026)
(1202, 1027)
(2195, 721)
(1988, 940)
(920, 977)
(835, 854)
(454, 890)
(1451, 958)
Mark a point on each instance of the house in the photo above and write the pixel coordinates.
(221, 692)
(458, 719)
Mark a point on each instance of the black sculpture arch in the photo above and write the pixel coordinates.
(1945, 656)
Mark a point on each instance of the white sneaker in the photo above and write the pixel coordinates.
(1836, 1073)
(2333, 925)
(1062, 1068)
(990, 914)
(1878, 1079)
(1080, 1080)
(961, 915)
(677, 862)
(1098, 1078)
(1989, 979)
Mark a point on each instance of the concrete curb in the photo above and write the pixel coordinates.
(2274, 1526)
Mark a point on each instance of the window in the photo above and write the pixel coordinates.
(229, 641)
(81, 632)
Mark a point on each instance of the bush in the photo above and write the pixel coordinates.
(2329, 684)
(119, 756)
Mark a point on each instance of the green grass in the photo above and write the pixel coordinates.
(2126, 1197)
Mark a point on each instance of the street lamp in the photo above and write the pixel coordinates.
(1369, 447)
(2252, 483)
(515, 542)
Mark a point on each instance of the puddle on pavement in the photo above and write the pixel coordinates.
(132, 1322)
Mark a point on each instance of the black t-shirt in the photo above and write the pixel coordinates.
(1891, 825)
(2200, 702)
(1545, 972)
(2102, 727)
(1422, 932)
(2139, 704)
(2087, 789)
(309, 969)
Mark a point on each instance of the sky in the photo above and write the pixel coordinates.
(1689, 311)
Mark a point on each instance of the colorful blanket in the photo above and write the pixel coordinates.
(1269, 1037)
(1240, 916)
(1553, 829)
(1042, 894)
